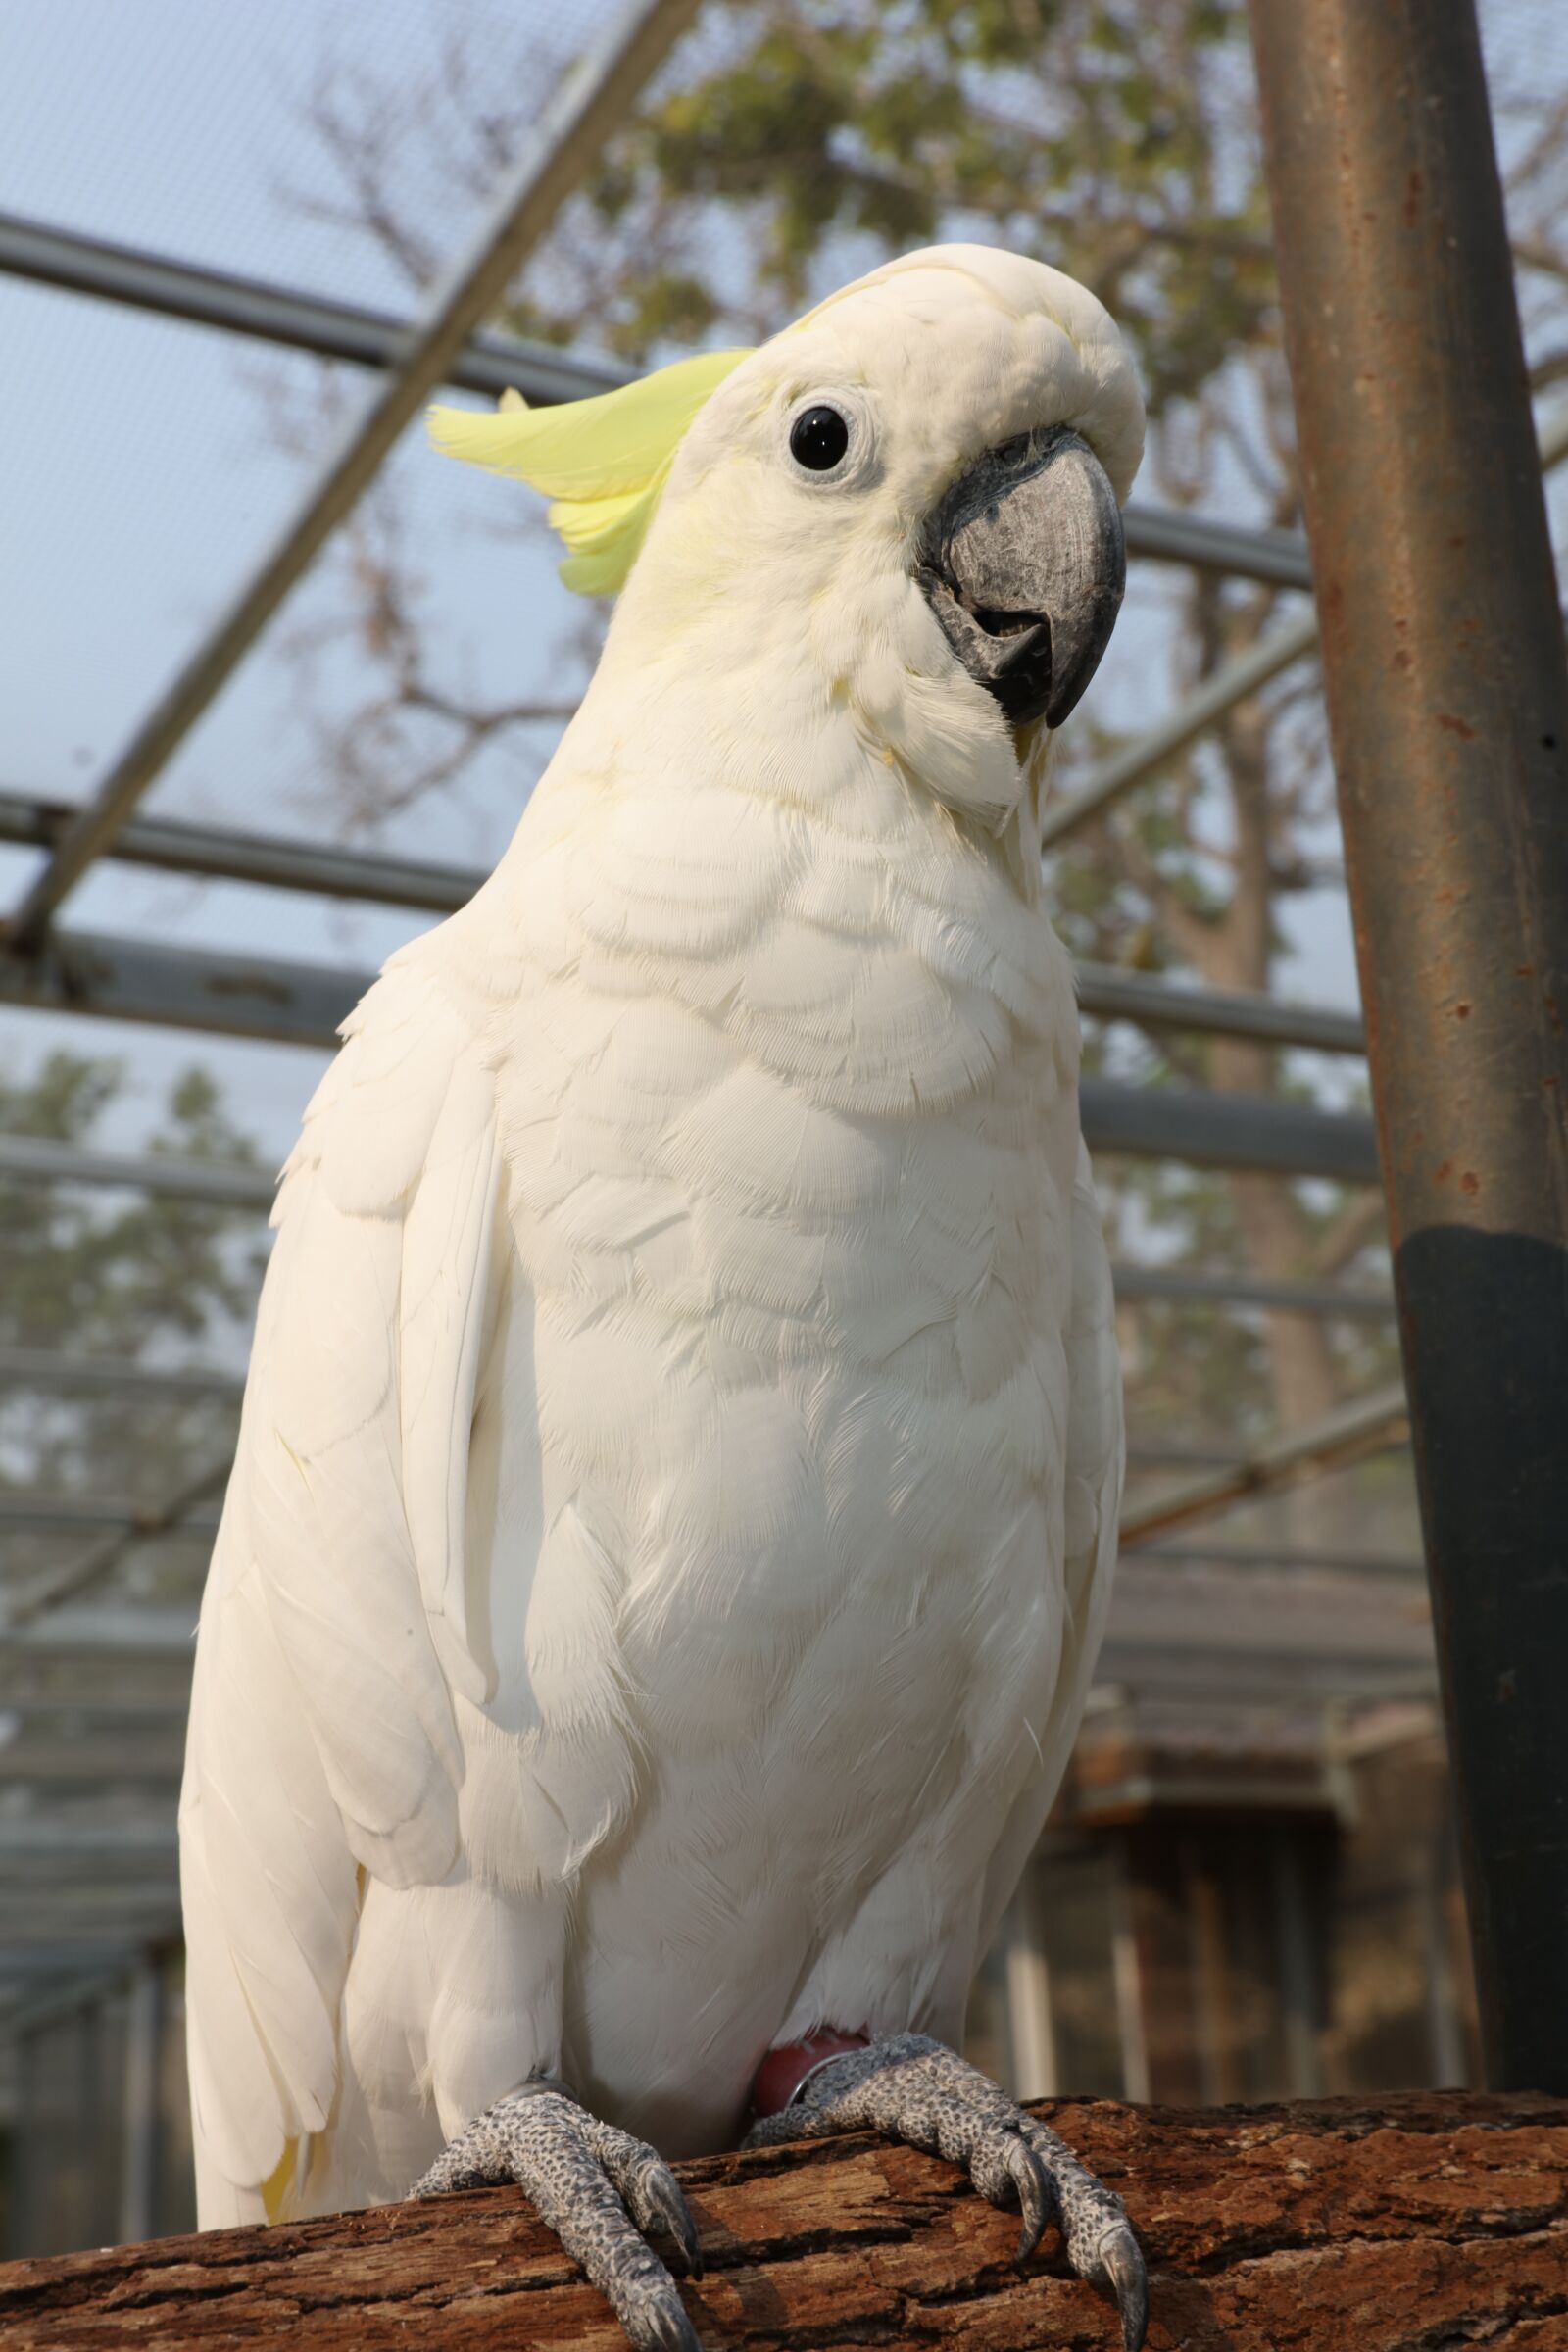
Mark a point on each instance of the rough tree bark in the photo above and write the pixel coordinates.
(1417, 2223)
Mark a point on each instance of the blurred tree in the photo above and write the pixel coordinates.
(147, 1278)
(794, 142)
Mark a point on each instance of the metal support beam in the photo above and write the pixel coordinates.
(165, 1705)
(153, 1630)
(272, 861)
(1447, 696)
(1325, 1302)
(573, 126)
(1108, 994)
(28, 1838)
(184, 988)
(37, 1159)
(1370, 1426)
(280, 315)
(79, 1514)
(1166, 535)
(90, 1763)
(489, 364)
(62, 1371)
(301, 1003)
(1220, 1556)
(1208, 1130)
(1147, 754)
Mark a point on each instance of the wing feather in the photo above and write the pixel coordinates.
(1095, 1469)
(323, 1742)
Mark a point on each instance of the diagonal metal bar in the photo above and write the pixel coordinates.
(75, 1577)
(1147, 754)
(1371, 1425)
(581, 116)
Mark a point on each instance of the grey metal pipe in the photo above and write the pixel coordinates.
(293, 1003)
(331, 329)
(131, 1841)
(1110, 994)
(271, 861)
(86, 1515)
(301, 1003)
(38, 1160)
(1328, 1302)
(1447, 696)
(1165, 535)
(1206, 1129)
(490, 364)
(75, 1374)
(572, 130)
(1213, 1130)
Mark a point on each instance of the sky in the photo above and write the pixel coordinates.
(142, 485)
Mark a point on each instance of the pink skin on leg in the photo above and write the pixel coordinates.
(783, 2071)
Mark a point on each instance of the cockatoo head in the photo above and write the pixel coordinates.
(906, 505)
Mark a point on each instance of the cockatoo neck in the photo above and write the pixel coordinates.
(791, 697)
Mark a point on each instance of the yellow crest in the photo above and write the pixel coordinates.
(601, 462)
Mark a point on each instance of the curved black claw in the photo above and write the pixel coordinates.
(598, 2189)
(1034, 2195)
(1121, 2259)
(654, 2200)
(916, 2090)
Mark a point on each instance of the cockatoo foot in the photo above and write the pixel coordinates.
(598, 2189)
(916, 2090)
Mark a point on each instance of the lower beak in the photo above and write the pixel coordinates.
(1024, 570)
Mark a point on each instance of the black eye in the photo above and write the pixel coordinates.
(818, 438)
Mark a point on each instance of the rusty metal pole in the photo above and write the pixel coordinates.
(1443, 666)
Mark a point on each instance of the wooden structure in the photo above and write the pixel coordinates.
(1420, 2221)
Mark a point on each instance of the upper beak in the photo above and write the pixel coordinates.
(1024, 568)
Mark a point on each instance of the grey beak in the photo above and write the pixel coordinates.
(1024, 567)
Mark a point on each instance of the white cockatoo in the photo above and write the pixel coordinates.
(675, 1504)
